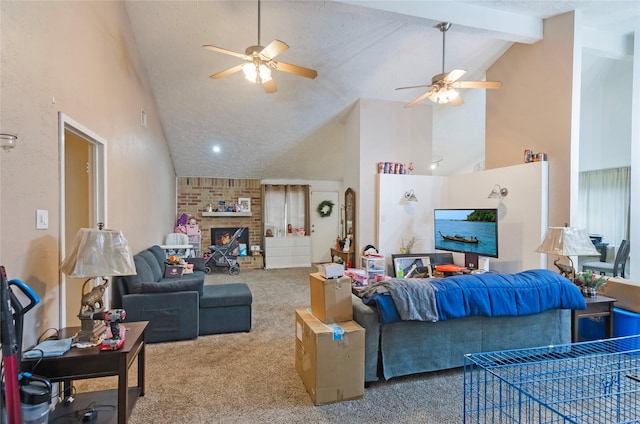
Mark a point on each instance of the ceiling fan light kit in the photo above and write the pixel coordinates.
(443, 86)
(256, 73)
(260, 63)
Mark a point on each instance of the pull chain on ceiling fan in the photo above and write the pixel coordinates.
(259, 63)
(443, 86)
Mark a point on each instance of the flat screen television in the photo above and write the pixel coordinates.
(473, 232)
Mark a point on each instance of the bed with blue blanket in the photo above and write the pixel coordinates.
(490, 295)
(420, 325)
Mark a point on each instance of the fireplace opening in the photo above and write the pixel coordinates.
(222, 235)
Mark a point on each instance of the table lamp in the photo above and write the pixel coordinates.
(567, 241)
(96, 253)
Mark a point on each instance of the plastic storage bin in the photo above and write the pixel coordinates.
(625, 323)
(35, 414)
(591, 328)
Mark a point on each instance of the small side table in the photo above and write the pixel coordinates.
(345, 256)
(599, 306)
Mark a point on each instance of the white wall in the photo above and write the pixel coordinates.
(78, 58)
(397, 219)
(635, 161)
(605, 113)
(386, 132)
(523, 214)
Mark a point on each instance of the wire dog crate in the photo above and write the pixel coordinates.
(589, 382)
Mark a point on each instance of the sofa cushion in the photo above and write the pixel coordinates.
(156, 268)
(143, 273)
(218, 295)
(157, 251)
(172, 285)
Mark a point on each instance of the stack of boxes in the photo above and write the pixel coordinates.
(329, 344)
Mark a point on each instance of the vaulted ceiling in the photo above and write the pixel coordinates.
(361, 49)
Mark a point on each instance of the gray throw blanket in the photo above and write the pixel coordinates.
(414, 298)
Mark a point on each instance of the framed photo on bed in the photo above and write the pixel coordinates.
(412, 265)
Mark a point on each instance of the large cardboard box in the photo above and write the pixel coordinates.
(625, 291)
(329, 358)
(330, 298)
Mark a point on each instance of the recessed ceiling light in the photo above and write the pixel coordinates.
(216, 149)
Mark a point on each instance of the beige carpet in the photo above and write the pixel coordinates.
(251, 377)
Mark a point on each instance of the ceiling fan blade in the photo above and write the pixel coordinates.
(457, 101)
(225, 51)
(478, 84)
(419, 99)
(295, 69)
(227, 72)
(454, 75)
(414, 86)
(269, 86)
(274, 48)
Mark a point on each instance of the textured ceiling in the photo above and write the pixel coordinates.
(360, 50)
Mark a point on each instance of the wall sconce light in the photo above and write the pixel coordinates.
(8, 141)
(435, 163)
(498, 192)
(410, 196)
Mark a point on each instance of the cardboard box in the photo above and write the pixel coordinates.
(625, 291)
(331, 270)
(330, 298)
(329, 358)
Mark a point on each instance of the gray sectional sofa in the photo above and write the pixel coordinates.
(411, 347)
(180, 308)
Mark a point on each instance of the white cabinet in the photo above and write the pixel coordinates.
(287, 252)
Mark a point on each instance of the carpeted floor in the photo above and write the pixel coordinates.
(251, 377)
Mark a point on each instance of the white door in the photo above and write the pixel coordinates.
(324, 230)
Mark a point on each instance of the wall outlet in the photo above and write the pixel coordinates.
(42, 219)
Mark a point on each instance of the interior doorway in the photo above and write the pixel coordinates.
(82, 200)
(324, 230)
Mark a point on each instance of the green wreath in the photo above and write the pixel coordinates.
(325, 208)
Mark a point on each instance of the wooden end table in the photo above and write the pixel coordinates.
(345, 256)
(78, 364)
(599, 306)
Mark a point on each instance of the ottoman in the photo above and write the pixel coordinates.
(225, 308)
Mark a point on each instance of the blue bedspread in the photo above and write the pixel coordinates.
(525, 293)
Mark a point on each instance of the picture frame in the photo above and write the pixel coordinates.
(410, 263)
(245, 204)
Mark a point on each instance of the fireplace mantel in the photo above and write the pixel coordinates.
(227, 214)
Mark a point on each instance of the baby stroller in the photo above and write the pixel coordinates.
(224, 256)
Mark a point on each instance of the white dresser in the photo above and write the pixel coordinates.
(287, 252)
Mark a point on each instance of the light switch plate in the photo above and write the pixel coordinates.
(42, 219)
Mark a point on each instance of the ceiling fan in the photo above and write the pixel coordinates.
(259, 62)
(443, 86)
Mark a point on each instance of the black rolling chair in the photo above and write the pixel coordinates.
(616, 268)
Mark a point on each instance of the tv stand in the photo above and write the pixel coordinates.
(471, 261)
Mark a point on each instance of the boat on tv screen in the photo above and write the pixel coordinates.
(467, 230)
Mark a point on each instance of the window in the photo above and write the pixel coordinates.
(286, 204)
(604, 198)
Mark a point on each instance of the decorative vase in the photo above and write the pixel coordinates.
(589, 292)
(403, 251)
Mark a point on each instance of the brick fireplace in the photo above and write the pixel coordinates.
(222, 235)
(196, 193)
